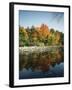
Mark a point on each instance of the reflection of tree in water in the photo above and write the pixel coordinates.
(41, 61)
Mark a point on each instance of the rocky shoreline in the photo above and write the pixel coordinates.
(23, 50)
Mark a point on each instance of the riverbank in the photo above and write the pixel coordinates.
(31, 49)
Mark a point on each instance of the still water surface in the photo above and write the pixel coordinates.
(42, 65)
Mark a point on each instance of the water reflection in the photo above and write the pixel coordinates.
(44, 64)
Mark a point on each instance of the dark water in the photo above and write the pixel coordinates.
(42, 65)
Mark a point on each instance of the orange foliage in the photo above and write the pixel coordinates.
(43, 30)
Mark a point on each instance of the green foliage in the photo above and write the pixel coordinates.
(42, 37)
(52, 30)
(23, 37)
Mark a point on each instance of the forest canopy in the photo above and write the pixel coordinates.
(40, 36)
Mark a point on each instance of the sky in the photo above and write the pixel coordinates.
(36, 18)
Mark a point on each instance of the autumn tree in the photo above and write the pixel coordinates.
(43, 33)
(40, 36)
